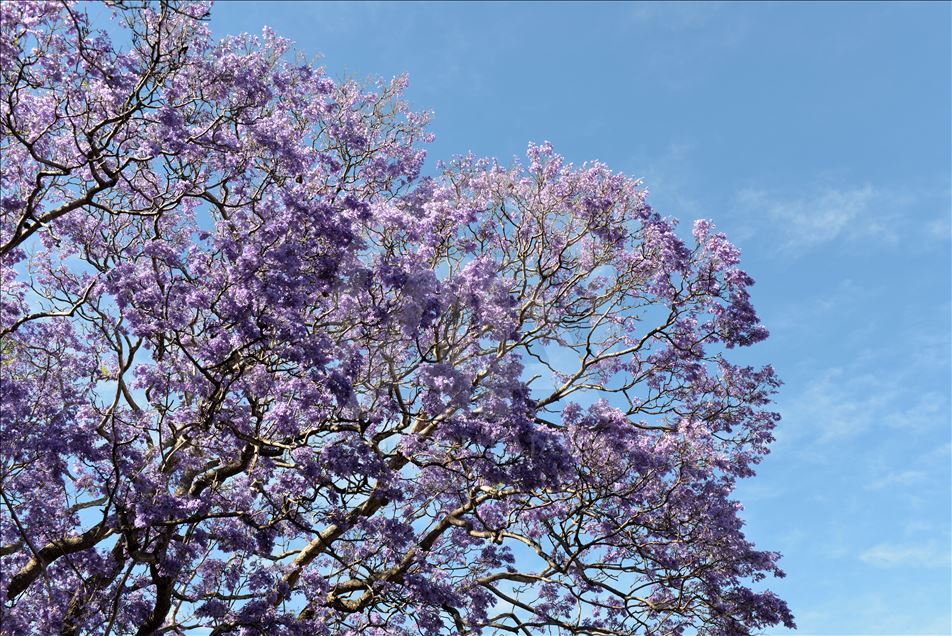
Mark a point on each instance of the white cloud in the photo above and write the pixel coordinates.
(848, 611)
(822, 217)
(817, 216)
(928, 409)
(902, 478)
(842, 404)
(836, 406)
(878, 389)
(889, 555)
(941, 228)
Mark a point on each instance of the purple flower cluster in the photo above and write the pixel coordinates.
(257, 375)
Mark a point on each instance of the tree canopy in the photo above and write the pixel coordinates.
(259, 375)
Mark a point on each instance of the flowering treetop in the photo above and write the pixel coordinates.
(260, 376)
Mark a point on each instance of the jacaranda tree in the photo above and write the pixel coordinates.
(261, 376)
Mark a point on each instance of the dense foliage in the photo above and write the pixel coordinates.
(260, 376)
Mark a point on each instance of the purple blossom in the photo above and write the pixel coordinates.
(259, 376)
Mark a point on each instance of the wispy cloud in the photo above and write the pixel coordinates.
(891, 555)
(941, 228)
(823, 215)
(897, 479)
(837, 406)
(926, 409)
(852, 610)
(847, 402)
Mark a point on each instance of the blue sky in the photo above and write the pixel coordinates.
(818, 137)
